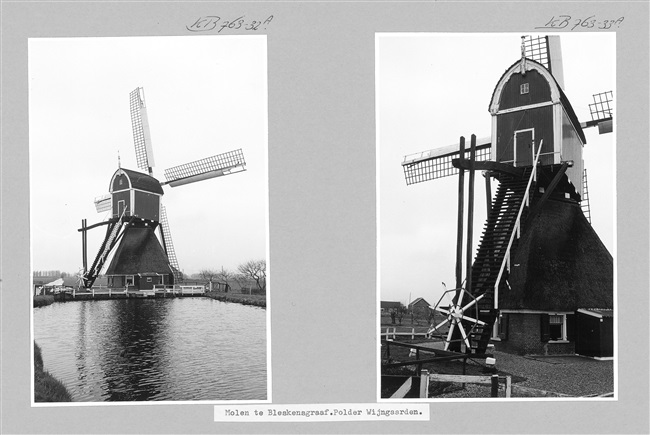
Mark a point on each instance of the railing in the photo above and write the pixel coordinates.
(394, 333)
(516, 230)
(183, 289)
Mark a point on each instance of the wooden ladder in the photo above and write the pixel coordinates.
(491, 252)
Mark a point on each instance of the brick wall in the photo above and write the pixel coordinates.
(524, 338)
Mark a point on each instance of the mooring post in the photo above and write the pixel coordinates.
(424, 384)
(494, 392)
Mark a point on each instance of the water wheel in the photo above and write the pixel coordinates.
(461, 311)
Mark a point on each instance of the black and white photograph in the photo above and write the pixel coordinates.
(149, 219)
(351, 217)
(496, 215)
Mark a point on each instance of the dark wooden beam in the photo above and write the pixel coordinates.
(83, 228)
(488, 192)
(470, 214)
(488, 165)
(461, 202)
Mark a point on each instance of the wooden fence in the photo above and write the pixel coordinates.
(425, 378)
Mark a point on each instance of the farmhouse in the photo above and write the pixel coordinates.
(419, 307)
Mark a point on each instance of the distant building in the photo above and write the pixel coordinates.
(387, 306)
(419, 307)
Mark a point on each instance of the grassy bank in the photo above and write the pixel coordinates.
(239, 298)
(46, 387)
(42, 300)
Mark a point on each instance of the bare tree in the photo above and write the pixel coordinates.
(255, 270)
(209, 275)
(225, 276)
(244, 282)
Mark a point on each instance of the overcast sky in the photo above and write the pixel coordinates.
(433, 88)
(205, 95)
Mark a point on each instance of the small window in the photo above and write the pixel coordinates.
(121, 181)
(523, 89)
(148, 279)
(556, 326)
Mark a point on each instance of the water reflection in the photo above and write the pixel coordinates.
(155, 349)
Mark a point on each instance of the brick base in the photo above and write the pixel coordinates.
(524, 338)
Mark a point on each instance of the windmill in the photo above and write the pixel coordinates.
(534, 152)
(131, 255)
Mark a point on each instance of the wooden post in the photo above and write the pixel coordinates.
(494, 391)
(84, 244)
(508, 386)
(461, 204)
(470, 214)
(488, 192)
(424, 384)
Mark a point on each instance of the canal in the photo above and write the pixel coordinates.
(175, 349)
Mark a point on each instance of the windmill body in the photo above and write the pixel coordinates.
(131, 255)
(139, 260)
(539, 260)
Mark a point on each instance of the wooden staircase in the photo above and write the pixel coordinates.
(500, 224)
(112, 233)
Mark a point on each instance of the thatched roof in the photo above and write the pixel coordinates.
(560, 263)
(139, 252)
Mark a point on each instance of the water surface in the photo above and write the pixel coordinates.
(155, 349)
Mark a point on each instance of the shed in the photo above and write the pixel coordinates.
(594, 332)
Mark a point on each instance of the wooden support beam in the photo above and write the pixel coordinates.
(549, 190)
(488, 192)
(84, 246)
(489, 165)
(470, 214)
(83, 228)
(461, 202)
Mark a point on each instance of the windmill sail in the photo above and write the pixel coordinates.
(602, 113)
(103, 203)
(168, 245)
(437, 163)
(215, 166)
(141, 135)
(547, 51)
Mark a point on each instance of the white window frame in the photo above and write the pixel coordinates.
(564, 327)
(524, 88)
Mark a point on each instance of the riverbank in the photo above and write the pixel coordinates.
(239, 298)
(46, 387)
(43, 300)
